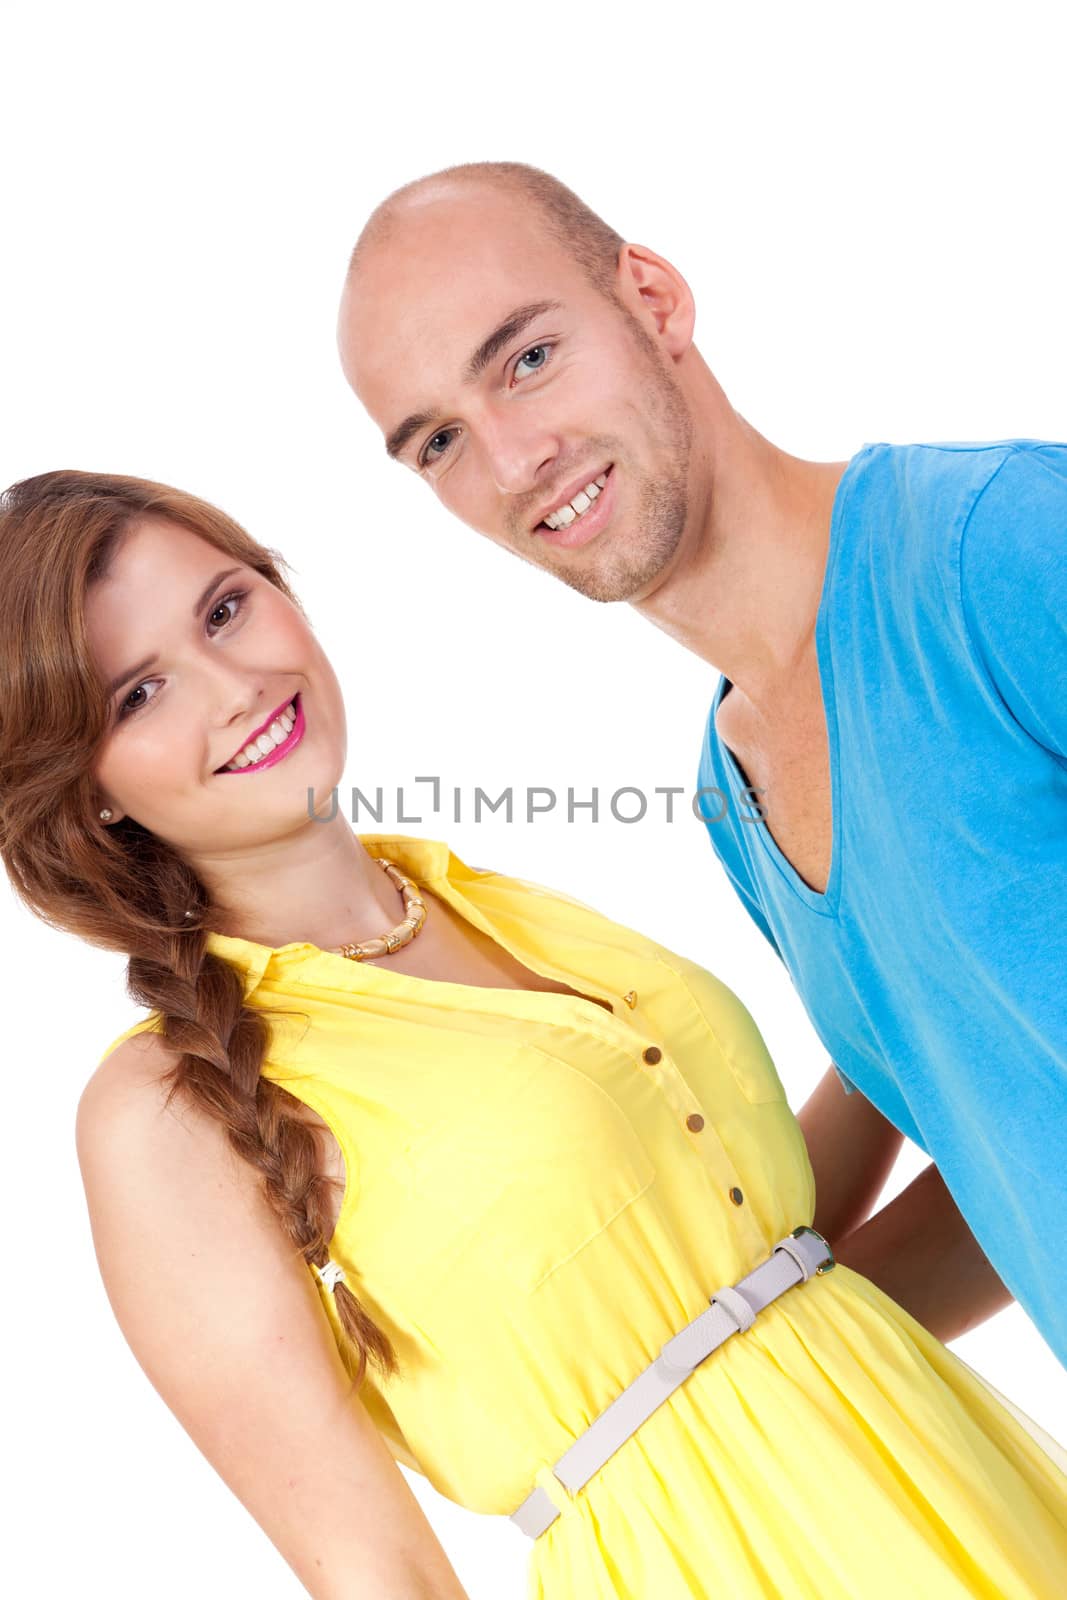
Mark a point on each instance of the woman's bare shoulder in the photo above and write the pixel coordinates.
(138, 1059)
(136, 1137)
(127, 1108)
(222, 1314)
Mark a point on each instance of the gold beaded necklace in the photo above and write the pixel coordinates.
(405, 931)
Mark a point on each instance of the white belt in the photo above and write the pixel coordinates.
(793, 1260)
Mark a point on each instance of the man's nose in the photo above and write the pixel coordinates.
(518, 449)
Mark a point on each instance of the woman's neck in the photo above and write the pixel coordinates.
(319, 886)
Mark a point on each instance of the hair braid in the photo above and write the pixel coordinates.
(122, 887)
(199, 998)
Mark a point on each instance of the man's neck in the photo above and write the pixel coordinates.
(744, 588)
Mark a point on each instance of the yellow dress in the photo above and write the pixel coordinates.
(532, 1209)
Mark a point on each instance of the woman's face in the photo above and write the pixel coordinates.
(226, 651)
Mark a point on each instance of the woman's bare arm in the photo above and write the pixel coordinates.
(226, 1322)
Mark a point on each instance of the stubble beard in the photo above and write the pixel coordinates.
(625, 566)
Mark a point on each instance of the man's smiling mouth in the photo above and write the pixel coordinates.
(568, 511)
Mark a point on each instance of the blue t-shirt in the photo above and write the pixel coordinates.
(934, 968)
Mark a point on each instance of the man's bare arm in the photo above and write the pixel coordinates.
(918, 1249)
(852, 1149)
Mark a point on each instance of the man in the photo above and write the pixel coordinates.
(891, 633)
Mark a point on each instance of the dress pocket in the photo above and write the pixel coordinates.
(528, 1168)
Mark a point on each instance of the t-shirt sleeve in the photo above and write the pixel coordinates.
(1013, 586)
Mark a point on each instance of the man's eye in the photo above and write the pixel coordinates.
(436, 447)
(534, 358)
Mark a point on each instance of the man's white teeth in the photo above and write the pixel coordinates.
(279, 730)
(574, 508)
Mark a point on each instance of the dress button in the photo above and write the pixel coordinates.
(694, 1122)
(630, 998)
(737, 1197)
(653, 1054)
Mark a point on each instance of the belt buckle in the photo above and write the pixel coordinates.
(829, 1264)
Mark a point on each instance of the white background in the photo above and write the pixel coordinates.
(868, 203)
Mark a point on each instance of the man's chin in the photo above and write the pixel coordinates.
(609, 581)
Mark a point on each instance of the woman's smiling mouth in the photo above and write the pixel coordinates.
(282, 734)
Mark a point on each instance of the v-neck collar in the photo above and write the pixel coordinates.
(825, 904)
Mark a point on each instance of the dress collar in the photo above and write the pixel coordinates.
(429, 861)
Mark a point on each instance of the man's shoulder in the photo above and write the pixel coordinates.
(937, 482)
(1028, 490)
(977, 514)
(908, 508)
(960, 550)
(1013, 590)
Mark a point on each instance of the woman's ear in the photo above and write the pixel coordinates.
(658, 296)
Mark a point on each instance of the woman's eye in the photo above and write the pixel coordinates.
(126, 709)
(536, 357)
(237, 600)
(231, 599)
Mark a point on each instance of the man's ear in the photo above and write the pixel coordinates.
(658, 296)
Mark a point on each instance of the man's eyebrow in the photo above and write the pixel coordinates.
(404, 431)
(491, 346)
(502, 336)
(205, 596)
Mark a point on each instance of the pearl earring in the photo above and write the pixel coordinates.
(107, 814)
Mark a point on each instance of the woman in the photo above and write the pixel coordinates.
(518, 1145)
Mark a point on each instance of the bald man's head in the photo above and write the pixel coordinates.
(573, 225)
(521, 357)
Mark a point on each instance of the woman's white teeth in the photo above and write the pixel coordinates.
(574, 508)
(279, 730)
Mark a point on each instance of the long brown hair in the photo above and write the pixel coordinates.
(121, 887)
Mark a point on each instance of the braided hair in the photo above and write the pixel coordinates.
(122, 887)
